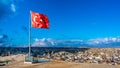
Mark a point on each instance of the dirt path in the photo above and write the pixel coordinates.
(58, 65)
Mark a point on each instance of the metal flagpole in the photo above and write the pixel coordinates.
(29, 35)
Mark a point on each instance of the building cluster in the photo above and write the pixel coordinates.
(78, 55)
(97, 55)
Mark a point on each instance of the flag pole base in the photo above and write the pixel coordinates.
(28, 59)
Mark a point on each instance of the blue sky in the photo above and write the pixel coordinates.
(69, 19)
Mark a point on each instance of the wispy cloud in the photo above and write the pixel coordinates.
(8, 7)
(44, 42)
(103, 40)
(13, 8)
(3, 39)
(25, 29)
(99, 42)
(48, 42)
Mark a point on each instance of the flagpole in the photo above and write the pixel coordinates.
(29, 35)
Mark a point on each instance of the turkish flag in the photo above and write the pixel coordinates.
(39, 20)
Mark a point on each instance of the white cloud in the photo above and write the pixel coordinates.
(36, 39)
(101, 42)
(44, 42)
(1, 36)
(48, 42)
(13, 8)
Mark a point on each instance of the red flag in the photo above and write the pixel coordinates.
(39, 20)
